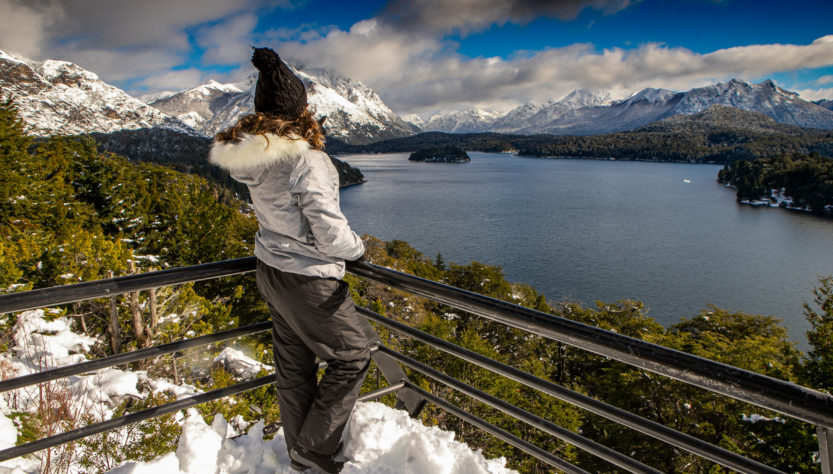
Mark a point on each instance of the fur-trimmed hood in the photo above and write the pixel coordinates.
(255, 152)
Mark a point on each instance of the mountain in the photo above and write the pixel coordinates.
(549, 119)
(724, 119)
(519, 117)
(414, 120)
(767, 98)
(355, 114)
(200, 103)
(462, 121)
(58, 97)
(593, 113)
(826, 103)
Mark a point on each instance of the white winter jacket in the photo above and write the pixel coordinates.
(295, 195)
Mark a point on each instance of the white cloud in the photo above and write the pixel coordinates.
(228, 42)
(816, 94)
(824, 80)
(24, 26)
(174, 80)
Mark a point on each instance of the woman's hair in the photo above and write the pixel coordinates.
(303, 127)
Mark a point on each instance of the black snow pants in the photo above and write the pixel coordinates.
(314, 317)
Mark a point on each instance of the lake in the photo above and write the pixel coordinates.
(666, 234)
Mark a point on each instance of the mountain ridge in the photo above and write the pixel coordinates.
(355, 113)
(595, 113)
(59, 97)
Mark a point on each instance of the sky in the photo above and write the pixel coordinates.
(425, 56)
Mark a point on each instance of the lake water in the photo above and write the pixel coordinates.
(666, 234)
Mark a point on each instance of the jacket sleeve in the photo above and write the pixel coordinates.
(316, 189)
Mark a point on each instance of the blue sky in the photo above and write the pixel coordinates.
(423, 56)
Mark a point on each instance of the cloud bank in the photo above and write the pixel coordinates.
(418, 73)
(407, 53)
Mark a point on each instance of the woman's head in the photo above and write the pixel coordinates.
(302, 127)
(280, 105)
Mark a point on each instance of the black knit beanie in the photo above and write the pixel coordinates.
(278, 90)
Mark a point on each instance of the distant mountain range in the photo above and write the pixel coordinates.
(593, 113)
(719, 134)
(58, 97)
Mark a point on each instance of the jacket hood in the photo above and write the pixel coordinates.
(255, 151)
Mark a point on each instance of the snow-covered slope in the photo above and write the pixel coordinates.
(462, 121)
(196, 106)
(414, 120)
(519, 117)
(765, 97)
(354, 112)
(558, 117)
(58, 97)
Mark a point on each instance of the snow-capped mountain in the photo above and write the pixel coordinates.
(567, 109)
(784, 106)
(201, 103)
(58, 97)
(590, 113)
(518, 117)
(826, 103)
(414, 120)
(650, 105)
(354, 112)
(462, 121)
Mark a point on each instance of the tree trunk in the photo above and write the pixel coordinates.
(138, 326)
(115, 331)
(154, 317)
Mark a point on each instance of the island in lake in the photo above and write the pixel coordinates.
(443, 154)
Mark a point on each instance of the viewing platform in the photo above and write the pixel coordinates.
(788, 399)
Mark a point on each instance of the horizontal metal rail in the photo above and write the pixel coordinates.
(499, 433)
(542, 424)
(651, 428)
(57, 295)
(127, 357)
(784, 397)
(121, 421)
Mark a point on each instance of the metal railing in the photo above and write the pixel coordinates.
(766, 392)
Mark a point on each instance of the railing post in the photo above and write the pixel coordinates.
(407, 399)
(825, 436)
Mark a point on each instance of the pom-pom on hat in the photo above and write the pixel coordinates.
(278, 90)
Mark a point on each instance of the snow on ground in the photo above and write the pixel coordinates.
(378, 440)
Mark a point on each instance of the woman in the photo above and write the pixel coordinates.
(301, 245)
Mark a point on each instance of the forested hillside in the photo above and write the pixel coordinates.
(70, 213)
(807, 181)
